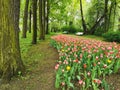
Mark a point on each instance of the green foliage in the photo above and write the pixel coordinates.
(99, 31)
(65, 28)
(71, 29)
(112, 36)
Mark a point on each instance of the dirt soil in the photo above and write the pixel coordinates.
(40, 73)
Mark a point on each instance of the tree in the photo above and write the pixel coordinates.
(106, 15)
(42, 19)
(10, 58)
(82, 16)
(34, 39)
(25, 19)
(30, 16)
(47, 16)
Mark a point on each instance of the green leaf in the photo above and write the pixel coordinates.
(57, 82)
(78, 77)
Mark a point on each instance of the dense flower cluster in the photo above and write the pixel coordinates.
(83, 63)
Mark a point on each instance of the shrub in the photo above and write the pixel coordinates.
(65, 28)
(112, 36)
(99, 31)
(70, 29)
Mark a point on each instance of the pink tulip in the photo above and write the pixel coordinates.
(80, 82)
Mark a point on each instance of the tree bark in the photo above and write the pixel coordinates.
(92, 30)
(25, 18)
(106, 16)
(82, 16)
(10, 59)
(47, 16)
(34, 39)
(119, 24)
(42, 19)
(30, 15)
(115, 6)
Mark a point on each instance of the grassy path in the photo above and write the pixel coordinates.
(40, 61)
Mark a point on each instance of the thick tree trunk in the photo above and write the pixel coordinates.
(25, 18)
(34, 39)
(83, 21)
(10, 59)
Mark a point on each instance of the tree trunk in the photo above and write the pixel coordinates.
(106, 16)
(110, 13)
(30, 14)
(34, 39)
(93, 28)
(119, 24)
(115, 6)
(83, 21)
(47, 16)
(25, 18)
(10, 58)
(42, 19)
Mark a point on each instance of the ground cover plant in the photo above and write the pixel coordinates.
(84, 63)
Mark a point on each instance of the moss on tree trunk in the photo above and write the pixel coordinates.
(10, 61)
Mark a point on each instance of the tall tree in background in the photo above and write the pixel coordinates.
(47, 16)
(30, 16)
(82, 16)
(42, 19)
(106, 16)
(34, 39)
(10, 58)
(25, 19)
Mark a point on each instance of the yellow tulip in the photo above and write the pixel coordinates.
(68, 68)
(109, 61)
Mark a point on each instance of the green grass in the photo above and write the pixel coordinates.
(93, 37)
(25, 43)
(28, 55)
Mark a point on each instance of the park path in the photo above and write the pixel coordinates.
(40, 69)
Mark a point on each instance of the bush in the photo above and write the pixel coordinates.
(99, 31)
(112, 36)
(70, 29)
(65, 28)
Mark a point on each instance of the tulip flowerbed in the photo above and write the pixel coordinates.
(84, 63)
